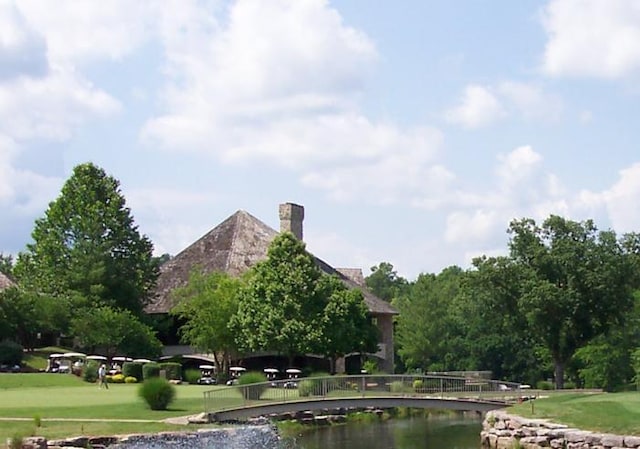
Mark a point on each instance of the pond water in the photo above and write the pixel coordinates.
(406, 433)
(409, 433)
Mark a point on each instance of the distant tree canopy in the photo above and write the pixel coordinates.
(6, 264)
(385, 283)
(565, 298)
(87, 243)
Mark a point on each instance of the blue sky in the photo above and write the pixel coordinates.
(411, 131)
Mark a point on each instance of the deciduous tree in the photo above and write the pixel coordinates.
(118, 331)
(384, 282)
(346, 324)
(281, 306)
(580, 283)
(206, 305)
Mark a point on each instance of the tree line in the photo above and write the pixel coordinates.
(88, 274)
(562, 304)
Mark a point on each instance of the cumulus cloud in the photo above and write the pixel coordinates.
(592, 38)
(51, 106)
(478, 107)
(22, 191)
(531, 101)
(522, 188)
(517, 165)
(280, 83)
(619, 200)
(22, 50)
(79, 32)
(482, 106)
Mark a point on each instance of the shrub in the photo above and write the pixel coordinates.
(116, 378)
(158, 393)
(544, 385)
(318, 385)
(418, 385)
(192, 375)
(252, 392)
(16, 441)
(10, 353)
(397, 386)
(305, 387)
(130, 380)
(132, 369)
(150, 370)
(172, 370)
(90, 371)
(370, 366)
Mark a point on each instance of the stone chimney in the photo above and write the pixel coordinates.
(291, 217)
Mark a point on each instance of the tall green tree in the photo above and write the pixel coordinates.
(281, 306)
(424, 327)
(346, 325)
(206, 305)
(6, 264)
(384, 282)
(87, 243)
(580, 283)
(493, 332)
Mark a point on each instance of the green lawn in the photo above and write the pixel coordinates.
(617, 413)
(64, 396)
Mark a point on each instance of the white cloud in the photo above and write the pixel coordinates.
(592, 38)
(22, 191)
(22, 50)
(481, 106)
(478, 107)
(463, 226)
(51, 106)
(530, 100)
(620, 200)
(279, 83)
(520, 164)
(78, 32)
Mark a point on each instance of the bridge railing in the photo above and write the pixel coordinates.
(314, 388)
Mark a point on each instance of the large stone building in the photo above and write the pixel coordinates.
(238, 243)
(5, 282)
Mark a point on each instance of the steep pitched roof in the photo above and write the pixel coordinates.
(232, 247)
(5, 282)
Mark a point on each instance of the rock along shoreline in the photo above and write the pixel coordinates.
(244, 437)
(501, 430)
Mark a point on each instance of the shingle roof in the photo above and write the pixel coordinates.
(234, 246)
(5, 282)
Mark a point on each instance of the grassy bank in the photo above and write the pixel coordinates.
(64, 405)
(617, 413)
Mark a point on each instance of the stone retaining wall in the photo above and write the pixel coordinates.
(503, 431)
(250, 437)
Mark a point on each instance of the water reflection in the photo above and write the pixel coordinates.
(410, 433)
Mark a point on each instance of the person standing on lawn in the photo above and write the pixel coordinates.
(102, 377)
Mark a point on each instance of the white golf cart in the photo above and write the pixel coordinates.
(293, 374)
(236, 372)
(206, 375)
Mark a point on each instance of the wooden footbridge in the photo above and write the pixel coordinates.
(241, 402)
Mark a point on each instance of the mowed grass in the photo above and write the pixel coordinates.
(63, 396)
(617, 413)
